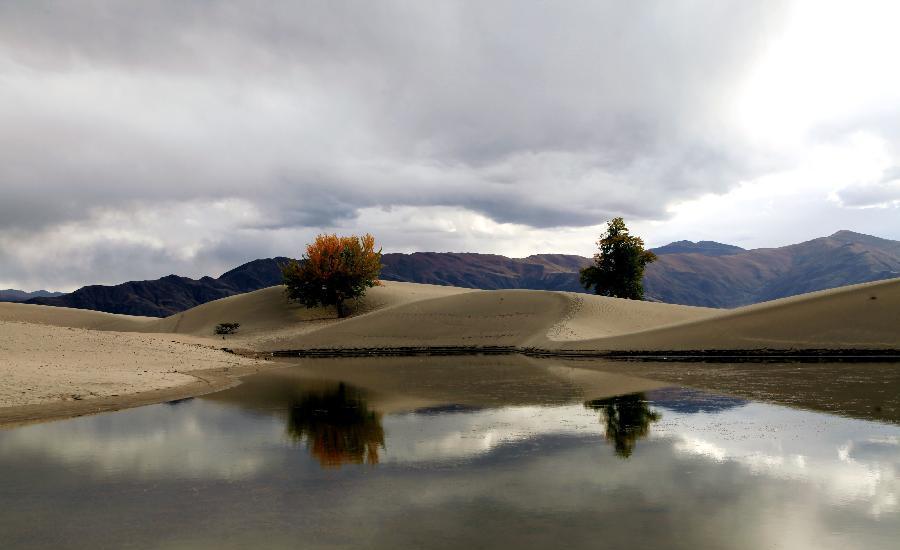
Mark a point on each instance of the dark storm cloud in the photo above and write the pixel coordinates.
(109, 102)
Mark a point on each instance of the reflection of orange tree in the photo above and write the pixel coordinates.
(628, 419)
(337, 427)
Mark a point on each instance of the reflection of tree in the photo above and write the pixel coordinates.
(337, 427)
(628, 419)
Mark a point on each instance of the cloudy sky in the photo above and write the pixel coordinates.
(141, 139)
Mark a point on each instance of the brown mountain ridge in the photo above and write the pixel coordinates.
(702, 274)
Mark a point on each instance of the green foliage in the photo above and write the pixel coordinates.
(333, 270)
(227, 328)
(618, 269)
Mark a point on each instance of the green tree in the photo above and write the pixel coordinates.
(618, 269)
(333, 270)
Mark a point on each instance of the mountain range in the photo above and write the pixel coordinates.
(704, 273)
(13, 295)
(172, 293)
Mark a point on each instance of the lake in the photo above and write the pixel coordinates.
(475, 453)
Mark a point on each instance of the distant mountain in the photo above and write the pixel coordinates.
(707, 248)
(170, 294)
(13, 295)
(702, 274)
(487, 271)
(768, 273)
(705, 273)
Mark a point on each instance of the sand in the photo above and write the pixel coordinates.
(50, 355)
(42, 363)
(55, 362)
(863, 316)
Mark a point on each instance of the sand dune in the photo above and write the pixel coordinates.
(593, 316)
(77, 318)
(860, 316)
(855, 317)
(497, 317)
(266, 315)
(56, 352)
(42, 363)
(258, 312)
(409, 314)
(51, 354)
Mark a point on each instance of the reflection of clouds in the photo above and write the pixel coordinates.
(695, 446)
(847, 460)
(195, 439)
(838, 461)
(415, 437)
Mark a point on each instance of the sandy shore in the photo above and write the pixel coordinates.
(42, 363)
(71, 358)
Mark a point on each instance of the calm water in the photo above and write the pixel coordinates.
(314, 462)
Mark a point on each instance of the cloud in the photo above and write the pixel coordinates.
(532, 115)
(880, 194)
(328, 108)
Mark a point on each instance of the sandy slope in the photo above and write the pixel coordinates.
(265, 315)
(860, 316)
(50, 353)
(40, 363)
(77, 318)
(857, 316)
(598, 317)
(499, 317)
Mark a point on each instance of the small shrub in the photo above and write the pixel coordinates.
(227, 328)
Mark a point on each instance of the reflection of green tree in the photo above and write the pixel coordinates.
(337, 427)
(628, 419)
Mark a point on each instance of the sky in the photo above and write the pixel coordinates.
(142, 139)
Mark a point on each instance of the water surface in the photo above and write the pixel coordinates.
(432, 454)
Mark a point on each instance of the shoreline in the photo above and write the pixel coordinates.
(205, 381)
(208, 381)
(711, 356)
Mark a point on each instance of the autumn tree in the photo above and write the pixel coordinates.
(618, 269)
(333, 270)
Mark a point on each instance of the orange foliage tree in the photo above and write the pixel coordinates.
(333, 270)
